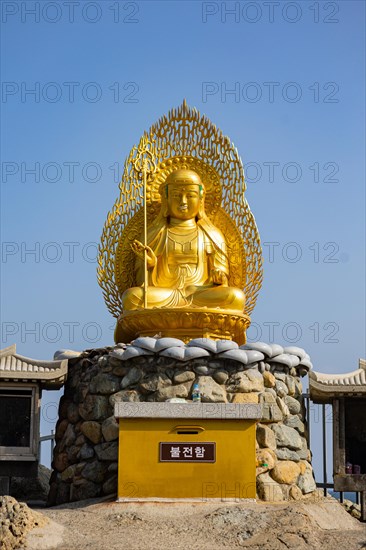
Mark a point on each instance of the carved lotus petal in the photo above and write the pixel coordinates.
(164, 343)
(284, 359)
(204, 343)
(185, 354)
(259, 346)
(225, 345)
(145, 342)
(254, 356)
(294, 350)
(236, 355)
(306, 363)
(131, 351)
(276, 350)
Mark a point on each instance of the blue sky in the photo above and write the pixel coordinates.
(98, 85)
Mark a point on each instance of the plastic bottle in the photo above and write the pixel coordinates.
(196, 394)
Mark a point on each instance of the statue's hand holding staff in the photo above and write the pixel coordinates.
(219, 277)
(139, 249)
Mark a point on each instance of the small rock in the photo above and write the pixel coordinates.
(283, 407)
(220, 376)
(95, 407)
(107, 451)
(211, 392)
(247, 381)
(266, 460)
(171, 391)
(185, 376)
(129, 396)
(94, 471)
(69, 473)
(155, 381)
(271, 413)
(132, 377)
(86, 452)
(286, 471)
(287, 437)
(269, 380)
(293, 404)
(290, 383)
(69, 437)
(92, 430)
(268, 489)
(267, 397)
(73, 413)
(109, 487)
(266, 437)
(287, 454)
(281, 388)
(110, 429)
(104, 384)
(295, 493)
(306, 480)
(245, 398)
(202, 370)
(295, 422)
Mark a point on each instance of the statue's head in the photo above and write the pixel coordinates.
(184, 195)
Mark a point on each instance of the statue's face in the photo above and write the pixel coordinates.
(183, 201)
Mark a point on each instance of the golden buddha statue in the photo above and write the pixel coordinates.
(187, 257)
(180, 251)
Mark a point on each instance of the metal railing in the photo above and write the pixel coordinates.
(324, 484)
(50, 437)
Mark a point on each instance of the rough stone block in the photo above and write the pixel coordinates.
(287, 437)
(268, 489)
(132, 377)
(211, 392)
(245, 398)
(92, 430)
(130, 396)
(185, 376)
(293, 404)
(295, 422)
(269, 380)
(104, 384)
(287, 454)
(266, 437)
(169, 392)
(306, 480)
(95, 407)
(248, 381)
(107, 451)
(110, 429)
(286, 471)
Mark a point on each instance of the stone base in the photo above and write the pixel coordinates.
(184, 324)
(85, 461)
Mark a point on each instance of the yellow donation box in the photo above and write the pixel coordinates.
(183, 450)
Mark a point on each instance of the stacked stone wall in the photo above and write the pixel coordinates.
(86, 452)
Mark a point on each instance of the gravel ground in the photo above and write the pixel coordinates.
(323, 524)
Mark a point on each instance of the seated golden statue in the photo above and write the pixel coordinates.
(180, 252)
(187, 257)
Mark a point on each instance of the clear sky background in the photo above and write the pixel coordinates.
(284, 80)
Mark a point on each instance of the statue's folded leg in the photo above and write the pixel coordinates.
(224, 297)
(133, 298)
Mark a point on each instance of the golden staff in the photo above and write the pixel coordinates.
(144, 164)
